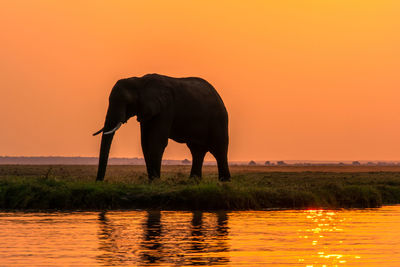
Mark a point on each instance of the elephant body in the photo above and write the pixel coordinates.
(186, 110)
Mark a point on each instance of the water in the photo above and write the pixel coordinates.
(150, 238)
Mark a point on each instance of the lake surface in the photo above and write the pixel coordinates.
(245, 238)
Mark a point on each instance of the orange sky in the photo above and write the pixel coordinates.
(314, 80)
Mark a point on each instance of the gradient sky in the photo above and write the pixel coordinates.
(307, 80)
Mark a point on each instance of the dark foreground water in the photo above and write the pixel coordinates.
(246, 238)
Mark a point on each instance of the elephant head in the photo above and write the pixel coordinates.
(129, 97)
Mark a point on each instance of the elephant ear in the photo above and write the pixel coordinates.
(153, 99)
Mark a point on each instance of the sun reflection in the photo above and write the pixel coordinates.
(321, 228)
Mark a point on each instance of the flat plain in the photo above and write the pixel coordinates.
(73, 187)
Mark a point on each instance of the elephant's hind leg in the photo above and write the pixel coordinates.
(198, 153)
(222, 162)
(219, 141)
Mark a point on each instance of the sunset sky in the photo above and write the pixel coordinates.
(305, 80)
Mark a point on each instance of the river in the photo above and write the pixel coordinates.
(368, 237)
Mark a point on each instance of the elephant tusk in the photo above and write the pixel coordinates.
(113, 130)
(99, 131)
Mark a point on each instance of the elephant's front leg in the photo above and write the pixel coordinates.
(154, 140)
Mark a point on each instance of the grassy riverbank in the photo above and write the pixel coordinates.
(72, 188)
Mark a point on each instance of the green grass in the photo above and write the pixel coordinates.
(73, 188)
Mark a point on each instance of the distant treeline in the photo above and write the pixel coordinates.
(338, 163)
(76, 161)
(49, 160)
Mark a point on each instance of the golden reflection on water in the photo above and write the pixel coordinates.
(324, 223)
(168, 238)
(164, 238)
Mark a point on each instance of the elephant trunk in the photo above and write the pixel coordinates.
(113, 121)
(106, 141)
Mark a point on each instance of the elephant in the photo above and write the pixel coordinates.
(187, 110)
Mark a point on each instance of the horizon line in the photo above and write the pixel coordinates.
(242, 160)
